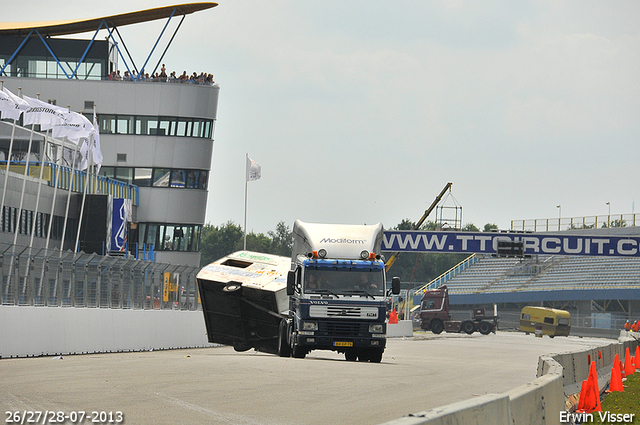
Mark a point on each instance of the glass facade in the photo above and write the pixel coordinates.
(170, 237)
(143, 125)
(79, 59)
(158, 177)
(25, 224)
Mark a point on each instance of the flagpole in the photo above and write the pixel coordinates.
(35, 218)
(84, 194)
(73, 178)
(19, 213)
(245, 201)
(6, 175)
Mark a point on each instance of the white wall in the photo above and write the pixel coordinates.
(36, 331)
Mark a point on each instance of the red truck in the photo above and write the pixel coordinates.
(436, 317)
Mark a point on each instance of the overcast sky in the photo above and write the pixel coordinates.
(360, 112)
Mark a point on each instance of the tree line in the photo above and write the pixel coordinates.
(219, 241)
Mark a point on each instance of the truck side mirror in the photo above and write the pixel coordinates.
(291, 282)
(395, 285)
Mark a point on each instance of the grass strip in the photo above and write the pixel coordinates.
(624, 402)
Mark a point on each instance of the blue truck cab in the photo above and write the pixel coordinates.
(338, 303)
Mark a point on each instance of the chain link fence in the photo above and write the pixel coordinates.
(53, 278)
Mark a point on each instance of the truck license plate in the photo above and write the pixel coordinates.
(342, 344)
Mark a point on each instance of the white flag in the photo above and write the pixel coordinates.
(75, 127)
(43, 113)
(97, 152)
(254, 171)
(84, 155)
(11, 106)
(69, 157)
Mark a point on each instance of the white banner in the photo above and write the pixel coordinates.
(254, 171)
(11, 106)
(75, 127)
(84, 153)
(97, 151)
(43, 113)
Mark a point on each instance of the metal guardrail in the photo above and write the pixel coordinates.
(576, 223)
(453, 271)
(48, 277)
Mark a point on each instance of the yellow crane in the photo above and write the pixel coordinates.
(394, 256)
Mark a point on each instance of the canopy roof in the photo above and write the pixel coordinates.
(77, 26)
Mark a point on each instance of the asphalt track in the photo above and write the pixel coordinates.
(220, 386)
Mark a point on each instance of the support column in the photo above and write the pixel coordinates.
(584, 314)
(634, 309)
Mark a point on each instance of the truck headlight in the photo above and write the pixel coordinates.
(309, 326)
(376, 328)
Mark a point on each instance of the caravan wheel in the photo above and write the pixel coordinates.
(232, 287)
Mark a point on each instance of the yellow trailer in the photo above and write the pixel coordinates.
(545, 321)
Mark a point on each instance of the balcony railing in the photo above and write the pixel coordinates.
(66, 177)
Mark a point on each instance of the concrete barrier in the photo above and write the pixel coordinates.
(38, 331)
(490, 409)
(539, 402)
(402, 328)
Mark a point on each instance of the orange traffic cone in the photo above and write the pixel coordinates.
(583, 397)
(590, 392)
(624, 375)
(636, 363)
(616, 377)
(628, 366)
(593, 375)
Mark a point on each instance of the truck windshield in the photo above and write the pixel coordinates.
(344, 282)
(430, 304)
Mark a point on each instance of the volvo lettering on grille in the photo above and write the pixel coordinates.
(343, 311)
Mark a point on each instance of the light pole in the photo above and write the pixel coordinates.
(609, 216)
(559, 207)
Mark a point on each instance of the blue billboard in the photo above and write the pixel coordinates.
(120, 218)
(487, 243)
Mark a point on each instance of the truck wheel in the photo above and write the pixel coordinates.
(468, 327)
(284, 348)
(436, 326)
(485, 328)
(296, 351)
(363, 356)
(375, 355)
(350, 355)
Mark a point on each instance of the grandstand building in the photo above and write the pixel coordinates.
(600, 292)
(156, 139)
